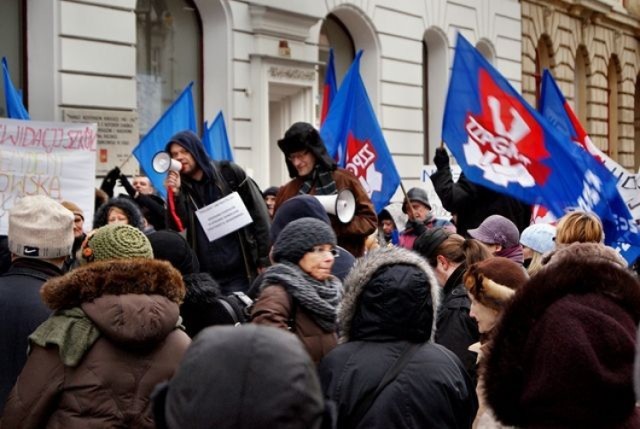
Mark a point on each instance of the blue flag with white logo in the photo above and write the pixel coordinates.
(555, 108)
(352, 135)
(15, 107)
(180, 116)
(216, 141)
(504, 144)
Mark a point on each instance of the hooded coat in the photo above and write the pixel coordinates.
(242, 378)
(100, 369)
(563, 351)
(391, 300)
(243, 251)
(127, 205)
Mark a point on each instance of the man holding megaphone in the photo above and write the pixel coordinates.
(313, 172)
(195, 182)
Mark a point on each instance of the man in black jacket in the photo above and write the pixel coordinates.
(234, 259)
(472, 203)
(40, 238)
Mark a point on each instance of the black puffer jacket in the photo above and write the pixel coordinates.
(391, 300)
(474, 203)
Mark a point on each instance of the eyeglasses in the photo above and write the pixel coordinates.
(297, 155)
(319, 250)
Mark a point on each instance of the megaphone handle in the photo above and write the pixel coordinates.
(172, 210)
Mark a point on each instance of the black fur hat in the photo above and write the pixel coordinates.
(303, 136)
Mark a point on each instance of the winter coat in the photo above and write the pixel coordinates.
(197, 310)
(472, 203)
(408, 236)
(128, 344)
(275, 307)
(353, 234)
(456, 329)
(242, 251)
(21, 311)
(391, 300)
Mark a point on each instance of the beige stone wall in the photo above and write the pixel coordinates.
(607, 33)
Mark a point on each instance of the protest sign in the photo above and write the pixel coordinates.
(46, 158)
(224, 216)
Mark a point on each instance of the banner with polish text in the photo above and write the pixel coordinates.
(57, 160)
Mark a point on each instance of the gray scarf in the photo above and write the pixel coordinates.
(319, 299)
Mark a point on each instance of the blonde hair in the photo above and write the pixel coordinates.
(536, 263)
(580, 227)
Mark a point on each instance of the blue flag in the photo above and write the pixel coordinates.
(353, 136)
(15, 108)
(330, 88)
(180, 116)
(504, 144)
(555, 108)
(216, 141)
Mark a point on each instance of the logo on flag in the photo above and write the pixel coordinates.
(361, 161)
(503, 139)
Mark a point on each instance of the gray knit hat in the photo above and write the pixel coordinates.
(116, 241)
(39, 227)
(299, 237)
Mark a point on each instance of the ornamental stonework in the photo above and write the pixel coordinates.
(292, 73)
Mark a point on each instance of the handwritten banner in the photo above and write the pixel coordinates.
(45, 158)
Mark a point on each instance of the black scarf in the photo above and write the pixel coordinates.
(323, 181)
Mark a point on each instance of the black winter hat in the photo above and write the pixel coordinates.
(419, 195)
(299, 237)
(171, 246)
(296, 208)
(272, 190)
(303, 136)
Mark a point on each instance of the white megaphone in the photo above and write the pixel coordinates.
(162, 162)
(343, 204)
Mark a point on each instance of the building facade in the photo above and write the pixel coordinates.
(260, 62)
(593, 50)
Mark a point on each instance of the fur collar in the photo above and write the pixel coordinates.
(578, 274)
(114, 277)
(363, 271)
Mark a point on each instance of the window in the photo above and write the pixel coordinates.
(168, 57)
(12, 43)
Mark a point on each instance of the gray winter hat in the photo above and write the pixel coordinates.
(40, 228)
(299, 237)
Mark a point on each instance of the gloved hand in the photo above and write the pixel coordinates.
(124, 182)
(110, 181)
(441, 158)
(416, 226)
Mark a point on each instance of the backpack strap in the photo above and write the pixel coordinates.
(366, 402)
(293, 311)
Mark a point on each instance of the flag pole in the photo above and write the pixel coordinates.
(406, 198)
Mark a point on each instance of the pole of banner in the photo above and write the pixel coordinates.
(125, 161)
(407, 202)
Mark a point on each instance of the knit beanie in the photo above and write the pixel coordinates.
(40, 227)
(296, 208)
(73, 208)
(539, 237)
(116, 241)
(299, 237)
(497, 229)
(170, 246)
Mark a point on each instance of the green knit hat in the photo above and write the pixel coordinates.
(116, 242)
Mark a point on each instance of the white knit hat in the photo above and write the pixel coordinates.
(40, 227)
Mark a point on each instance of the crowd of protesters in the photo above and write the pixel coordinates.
(136, 319)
